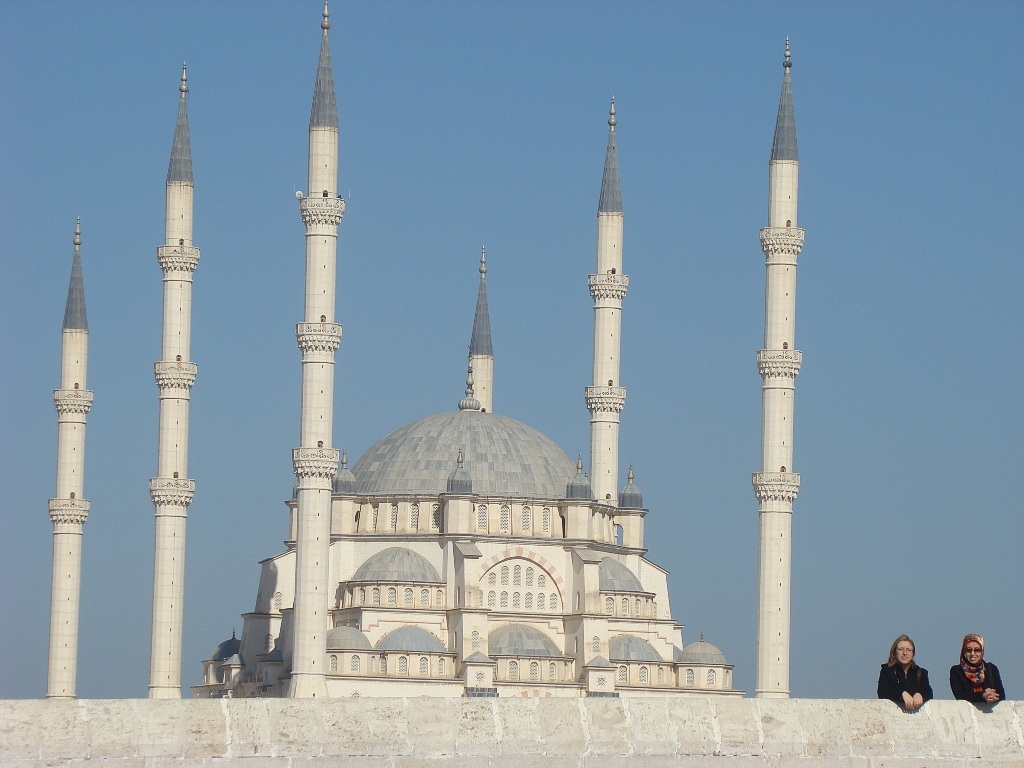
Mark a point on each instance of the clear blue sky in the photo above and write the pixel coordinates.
(464, 124)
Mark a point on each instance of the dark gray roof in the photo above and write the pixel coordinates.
(411, 639)
(579, 486)
(180, 167)
(629, 648)
(397, 564)
(615, 577)
(74, 310)
(784, 143)
(611, 188)
(480, 343)
(504, 457)
(344, 638)
(630, 497)
(477, 658)
(599, 662)
(700, 652)
(520, 640)
(324, 112)
(344, 480)
(459, 481)
(227, 649)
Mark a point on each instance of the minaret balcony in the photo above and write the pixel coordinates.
(172, 491)
(776, 486)
(68, 511)
(781, 245)
(321, 211)
(318, 337)
(779, 363)
(608, 399)
(608, 286)
(68, 401)
(175, 378)
(321, 463)
(177, 258)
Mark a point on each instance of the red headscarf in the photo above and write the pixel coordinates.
(975, 672)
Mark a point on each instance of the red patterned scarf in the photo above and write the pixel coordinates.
(975, 672)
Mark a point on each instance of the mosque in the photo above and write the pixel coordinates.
(465, 553)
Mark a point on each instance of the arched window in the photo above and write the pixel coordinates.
(435, 517)
(362, 595)
(270, 643)
(643, 675)
(689, 677)
(492, 578)
(353, 665)
(504, 599)
(481, 517)
(376, 513)
(278, 599)
(439, 599)
(334, 663)
(541, 580)
(515, 600)
(479, 679)
(551, 671)
(513, 670)
(654, 609)
(355, 523)
(541, 602)
(595, 644)
(609, 606)
(517, 576)
(534, 670)
(403, 665)
(414, 517)
(504, 576)
(370, 665)
(394, 517)
(636, 607)
(527, 522)
(424, 665)
(506, 518)
(376, 595)
(545, 520)
(661, 675)
(475, 640)
(625, 606)
(528, 600)
(711, 677)
(490, 599)
(440, 666)
(408, 595)
(392, 596)
(383, 665)
(623, 674)
(619, 536)
(553, 603)
(529, 577)
(424, 597)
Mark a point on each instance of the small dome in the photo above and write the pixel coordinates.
(579, 486)
(520, 640)
(629, 648)
(459, 481)
(630, 497)
(701, 652)
(343, 638)
(397, 564)
(344, 480)
(234, 661)
(227, 649)
(411, 639)
(615, 577)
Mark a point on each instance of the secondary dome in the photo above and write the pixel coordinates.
(397, 564)
(701, 652)
(629, 648)
(344, 638)
(410, 639)
(613, 576)
(504, 457)
(227, 649)
(520, 640)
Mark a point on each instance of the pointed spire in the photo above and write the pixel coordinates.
(74, 310)
(469, 403)
(480, 343)
(459, 460)
(611, 189)
(324, 112)
(344, 459)
(180, 167)
(784, 143)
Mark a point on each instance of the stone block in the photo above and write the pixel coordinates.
(652, 731)
(822, 762)
(249, 723)
(781, 727)
(866, 723)
(344, 730)
(692, 721)
(917, 762)
(477, 727)
(607, 727)
(520, 727)
(715, 761)
(953, 729)
(825, 728)
(160, 727)
(617, 761)
(561, 726)
(112, 727)
(999, 730)
(387, 724)
(738, 726)
(205, 729)
(911, 732)
(26, 728)
(433, 729)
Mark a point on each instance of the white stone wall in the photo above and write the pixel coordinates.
(697, 731)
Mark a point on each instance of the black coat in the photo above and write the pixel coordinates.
(963, 688)
(892, 682)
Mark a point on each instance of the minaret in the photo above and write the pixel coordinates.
(172, 490)
(776, 485)
(69, 510)
(315, 461)
(605, 399)
(481, 354)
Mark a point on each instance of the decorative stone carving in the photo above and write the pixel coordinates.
(318, 337)
(177, 258)
(611, 399)
(776, 486)
(608, 286)
(175, 375)
(321, 211)
(172, 491)
(316, 462)
(782, 244)
(72, 400)
(64, 511)
(784, 363)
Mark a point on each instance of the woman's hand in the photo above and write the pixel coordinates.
(990, 695)
(908, 700)
(918, 700)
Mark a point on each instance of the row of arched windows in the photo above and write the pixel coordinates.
(505, 519)
(534, 673)
(517, 577)
(638, 606)
(408, 597)
(355, 665)
(520, 601)
(414, 518)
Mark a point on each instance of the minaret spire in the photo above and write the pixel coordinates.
(172, 490)
(315, 460)
(481, 353)
(68, 510)
(776, 485)
(606, 399)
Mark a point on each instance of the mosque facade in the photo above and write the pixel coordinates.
(465, 553)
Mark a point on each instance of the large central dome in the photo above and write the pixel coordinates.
(503, 456)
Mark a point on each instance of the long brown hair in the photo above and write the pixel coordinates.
(892, 651)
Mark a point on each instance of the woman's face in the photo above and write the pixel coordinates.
(972, 652)
(905, 652)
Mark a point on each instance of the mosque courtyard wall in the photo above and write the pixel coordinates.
(385, 732)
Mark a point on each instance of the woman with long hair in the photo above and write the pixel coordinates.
(901, 680)
(975, 679)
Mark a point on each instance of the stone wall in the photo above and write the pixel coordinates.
(697, 732)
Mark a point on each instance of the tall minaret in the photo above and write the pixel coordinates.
(481, 354)
(315, 461)
(776, 485)
(69, 510)
(171, 490)
(606, 398)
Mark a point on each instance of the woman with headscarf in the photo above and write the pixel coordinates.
(975, 679)
(901, 680)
